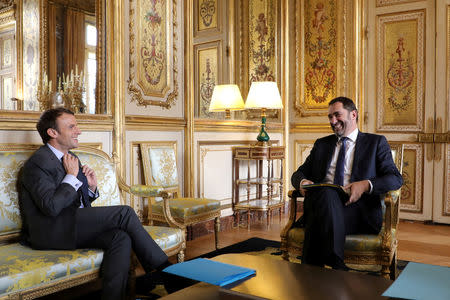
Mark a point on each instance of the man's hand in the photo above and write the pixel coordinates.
(70, 164)
(356, 189)
(304, 181)
(91, 178)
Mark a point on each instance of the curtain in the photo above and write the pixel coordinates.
(74, 41)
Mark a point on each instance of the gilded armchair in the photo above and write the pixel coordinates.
(360, 249)
(160, 170)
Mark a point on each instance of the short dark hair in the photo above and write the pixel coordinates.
(347, 103)
(48, 120)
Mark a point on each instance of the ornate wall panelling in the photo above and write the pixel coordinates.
(411, 202)
(8, 63)
(327, 52)
(302, 149)
(402, 92)
(400, 71)
(211, 49)
(381, 3)
(258, 44)
(208, 72)
(441, 139)
(155, 53)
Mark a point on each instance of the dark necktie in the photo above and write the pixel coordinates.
(339, 172)
(83, 190)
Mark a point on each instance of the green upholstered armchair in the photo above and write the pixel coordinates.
(360, 249)
(160, 169)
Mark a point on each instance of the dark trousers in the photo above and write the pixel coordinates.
(327, 221)
(117, 230)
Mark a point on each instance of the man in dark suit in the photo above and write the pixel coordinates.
(55, 194)
(364, 168)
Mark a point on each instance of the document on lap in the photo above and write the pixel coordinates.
(339, 188)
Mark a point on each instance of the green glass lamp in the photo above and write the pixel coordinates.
(263, 95)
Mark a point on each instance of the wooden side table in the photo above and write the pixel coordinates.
(271, 199)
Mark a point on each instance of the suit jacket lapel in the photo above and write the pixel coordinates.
(329, 151)
(359, 150)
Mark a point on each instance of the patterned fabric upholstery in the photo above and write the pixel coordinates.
(10, 164)
(166, 237)
(106, 178)
(163, 167)
(22, 268)
(181, 208)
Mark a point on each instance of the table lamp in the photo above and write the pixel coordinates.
(263, 95)
(226, 97)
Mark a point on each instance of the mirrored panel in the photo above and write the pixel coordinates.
(72, 56)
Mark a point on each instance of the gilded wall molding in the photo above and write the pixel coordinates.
(157, 63)
(411, 199)
(381, 3)
(302, 148)
(446, 187)
(400, 99)
(326, 55)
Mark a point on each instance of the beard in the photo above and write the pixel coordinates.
(338, 128)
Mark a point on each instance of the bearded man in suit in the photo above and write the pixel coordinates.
(364, 168)
(55, 194)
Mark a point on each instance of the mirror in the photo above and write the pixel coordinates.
(72, 56)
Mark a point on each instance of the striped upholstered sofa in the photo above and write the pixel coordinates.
(26, 273)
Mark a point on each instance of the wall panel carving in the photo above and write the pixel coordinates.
(153, 52)
(258, 39)
(411, 197)
(325, 54)
(400, 71)
(208, 71)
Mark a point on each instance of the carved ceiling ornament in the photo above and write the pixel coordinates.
(153, 65)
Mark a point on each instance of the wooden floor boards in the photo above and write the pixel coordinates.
(417, 241)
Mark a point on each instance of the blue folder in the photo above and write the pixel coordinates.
(210, 271)
(421, 281)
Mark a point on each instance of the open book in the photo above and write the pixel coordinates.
(338, 188)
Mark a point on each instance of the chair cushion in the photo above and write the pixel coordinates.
(182, 208)
(22, 268)
(353, 242)
(166, 237)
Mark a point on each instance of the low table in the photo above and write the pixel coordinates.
(279, 279)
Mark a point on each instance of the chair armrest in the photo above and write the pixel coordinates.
(293, 195)
(148, 191)
(392, 201)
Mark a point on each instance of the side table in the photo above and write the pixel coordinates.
(265, 158)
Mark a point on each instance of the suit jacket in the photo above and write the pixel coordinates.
(48, 206)
(372, 160)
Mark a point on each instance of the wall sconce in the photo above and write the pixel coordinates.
(263, 95)
(226, 97)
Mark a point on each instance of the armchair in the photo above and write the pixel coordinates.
(160, 170)
(361, 249)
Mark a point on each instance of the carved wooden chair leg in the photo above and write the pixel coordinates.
(180, 256)
(216, 231)
(385, 272)
(393, 267)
